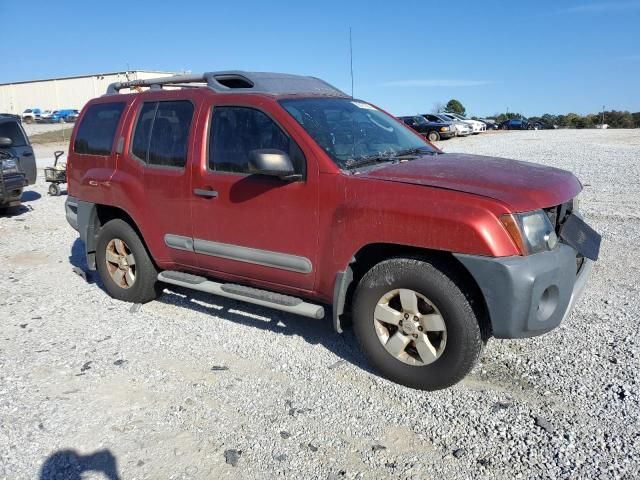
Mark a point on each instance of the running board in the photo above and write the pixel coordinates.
(265, 298)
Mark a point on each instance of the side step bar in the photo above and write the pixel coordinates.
(265, 298)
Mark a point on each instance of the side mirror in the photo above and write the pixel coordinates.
(271, 162)
(5, 142)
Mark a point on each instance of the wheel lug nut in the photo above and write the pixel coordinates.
(415, 335)
(416, 318)
(420, 328)
(406, 315)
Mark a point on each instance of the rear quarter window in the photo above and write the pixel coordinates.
(13, 131)
(98, 128)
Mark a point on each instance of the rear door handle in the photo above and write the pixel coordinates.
(205, 193)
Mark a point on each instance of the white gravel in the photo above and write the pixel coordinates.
(189, 386)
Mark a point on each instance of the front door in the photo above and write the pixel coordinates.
(251, 226)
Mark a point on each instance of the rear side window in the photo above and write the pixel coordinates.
(98, 128)
(235, 131)
(13, 131)
(162, 133)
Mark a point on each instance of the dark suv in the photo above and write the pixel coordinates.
(15, 143)
(282, 191)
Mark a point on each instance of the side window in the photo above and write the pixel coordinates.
(95, 133)
(170, 134)
(162, 133)
(236, 131)
(140, 144)
(12, 130)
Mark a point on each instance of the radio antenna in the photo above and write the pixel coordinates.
(351, 59)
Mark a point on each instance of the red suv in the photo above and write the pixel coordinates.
(281, 190)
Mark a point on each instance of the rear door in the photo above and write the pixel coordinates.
(20, 148)
(157, 158)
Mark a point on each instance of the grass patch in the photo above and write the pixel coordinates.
(54, 136)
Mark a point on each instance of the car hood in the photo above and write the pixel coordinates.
(522, 186)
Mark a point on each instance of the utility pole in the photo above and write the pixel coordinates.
(351, 59)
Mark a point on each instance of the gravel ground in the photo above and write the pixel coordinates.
(194, 387)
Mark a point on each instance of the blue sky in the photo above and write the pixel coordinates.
(529, 57)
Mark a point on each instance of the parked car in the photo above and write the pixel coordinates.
(321, 199)
(72, 117)
(476, 126)
(16, 144)
(514, 124)
(45, 116)
(60, 116)
(31, 115)
(539, 125)
(490, 124)
(461, 129)
(433, 131)
(12, 180)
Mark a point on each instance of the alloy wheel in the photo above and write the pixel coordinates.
(121, 264)
(410, 327)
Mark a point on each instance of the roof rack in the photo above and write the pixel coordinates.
(236, 81)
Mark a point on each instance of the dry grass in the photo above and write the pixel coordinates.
(54, 136)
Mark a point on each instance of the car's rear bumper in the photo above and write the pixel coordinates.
(528, 296)
(71, 211)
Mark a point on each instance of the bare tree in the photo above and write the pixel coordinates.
(438, 107)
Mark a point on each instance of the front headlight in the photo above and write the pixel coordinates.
(444, 129)
(532, 232)
(9, 166)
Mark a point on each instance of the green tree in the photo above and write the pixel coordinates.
(454, 106)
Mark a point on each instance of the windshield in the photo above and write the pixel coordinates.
(352, 131)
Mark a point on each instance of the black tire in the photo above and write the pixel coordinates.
(463, 343)
(433, 136)
(54, 189)
(146, 286)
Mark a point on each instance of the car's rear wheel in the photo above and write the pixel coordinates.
(433, 136)
(125, 268)
(415, 325)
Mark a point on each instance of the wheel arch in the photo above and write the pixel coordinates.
(91, 217)
(372, 254)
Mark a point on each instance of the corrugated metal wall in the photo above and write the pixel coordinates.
(62, 93)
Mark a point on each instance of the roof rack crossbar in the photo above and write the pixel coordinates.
(151, 82)
(238, 81)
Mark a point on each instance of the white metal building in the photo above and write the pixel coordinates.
(65, 92)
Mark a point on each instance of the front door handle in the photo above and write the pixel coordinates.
(205, 193)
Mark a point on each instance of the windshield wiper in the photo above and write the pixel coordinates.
(410, 152)
(389, 157)
(369, 160)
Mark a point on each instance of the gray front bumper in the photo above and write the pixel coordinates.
(528, 296)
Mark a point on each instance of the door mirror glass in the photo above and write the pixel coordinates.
(272, 162)
(5, 142)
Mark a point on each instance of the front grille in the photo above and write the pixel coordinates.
(559, 213)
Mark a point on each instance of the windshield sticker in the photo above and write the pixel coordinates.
(363, 105)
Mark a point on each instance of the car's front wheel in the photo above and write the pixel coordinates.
(124, 266)
(433, 136)
(415, 325)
